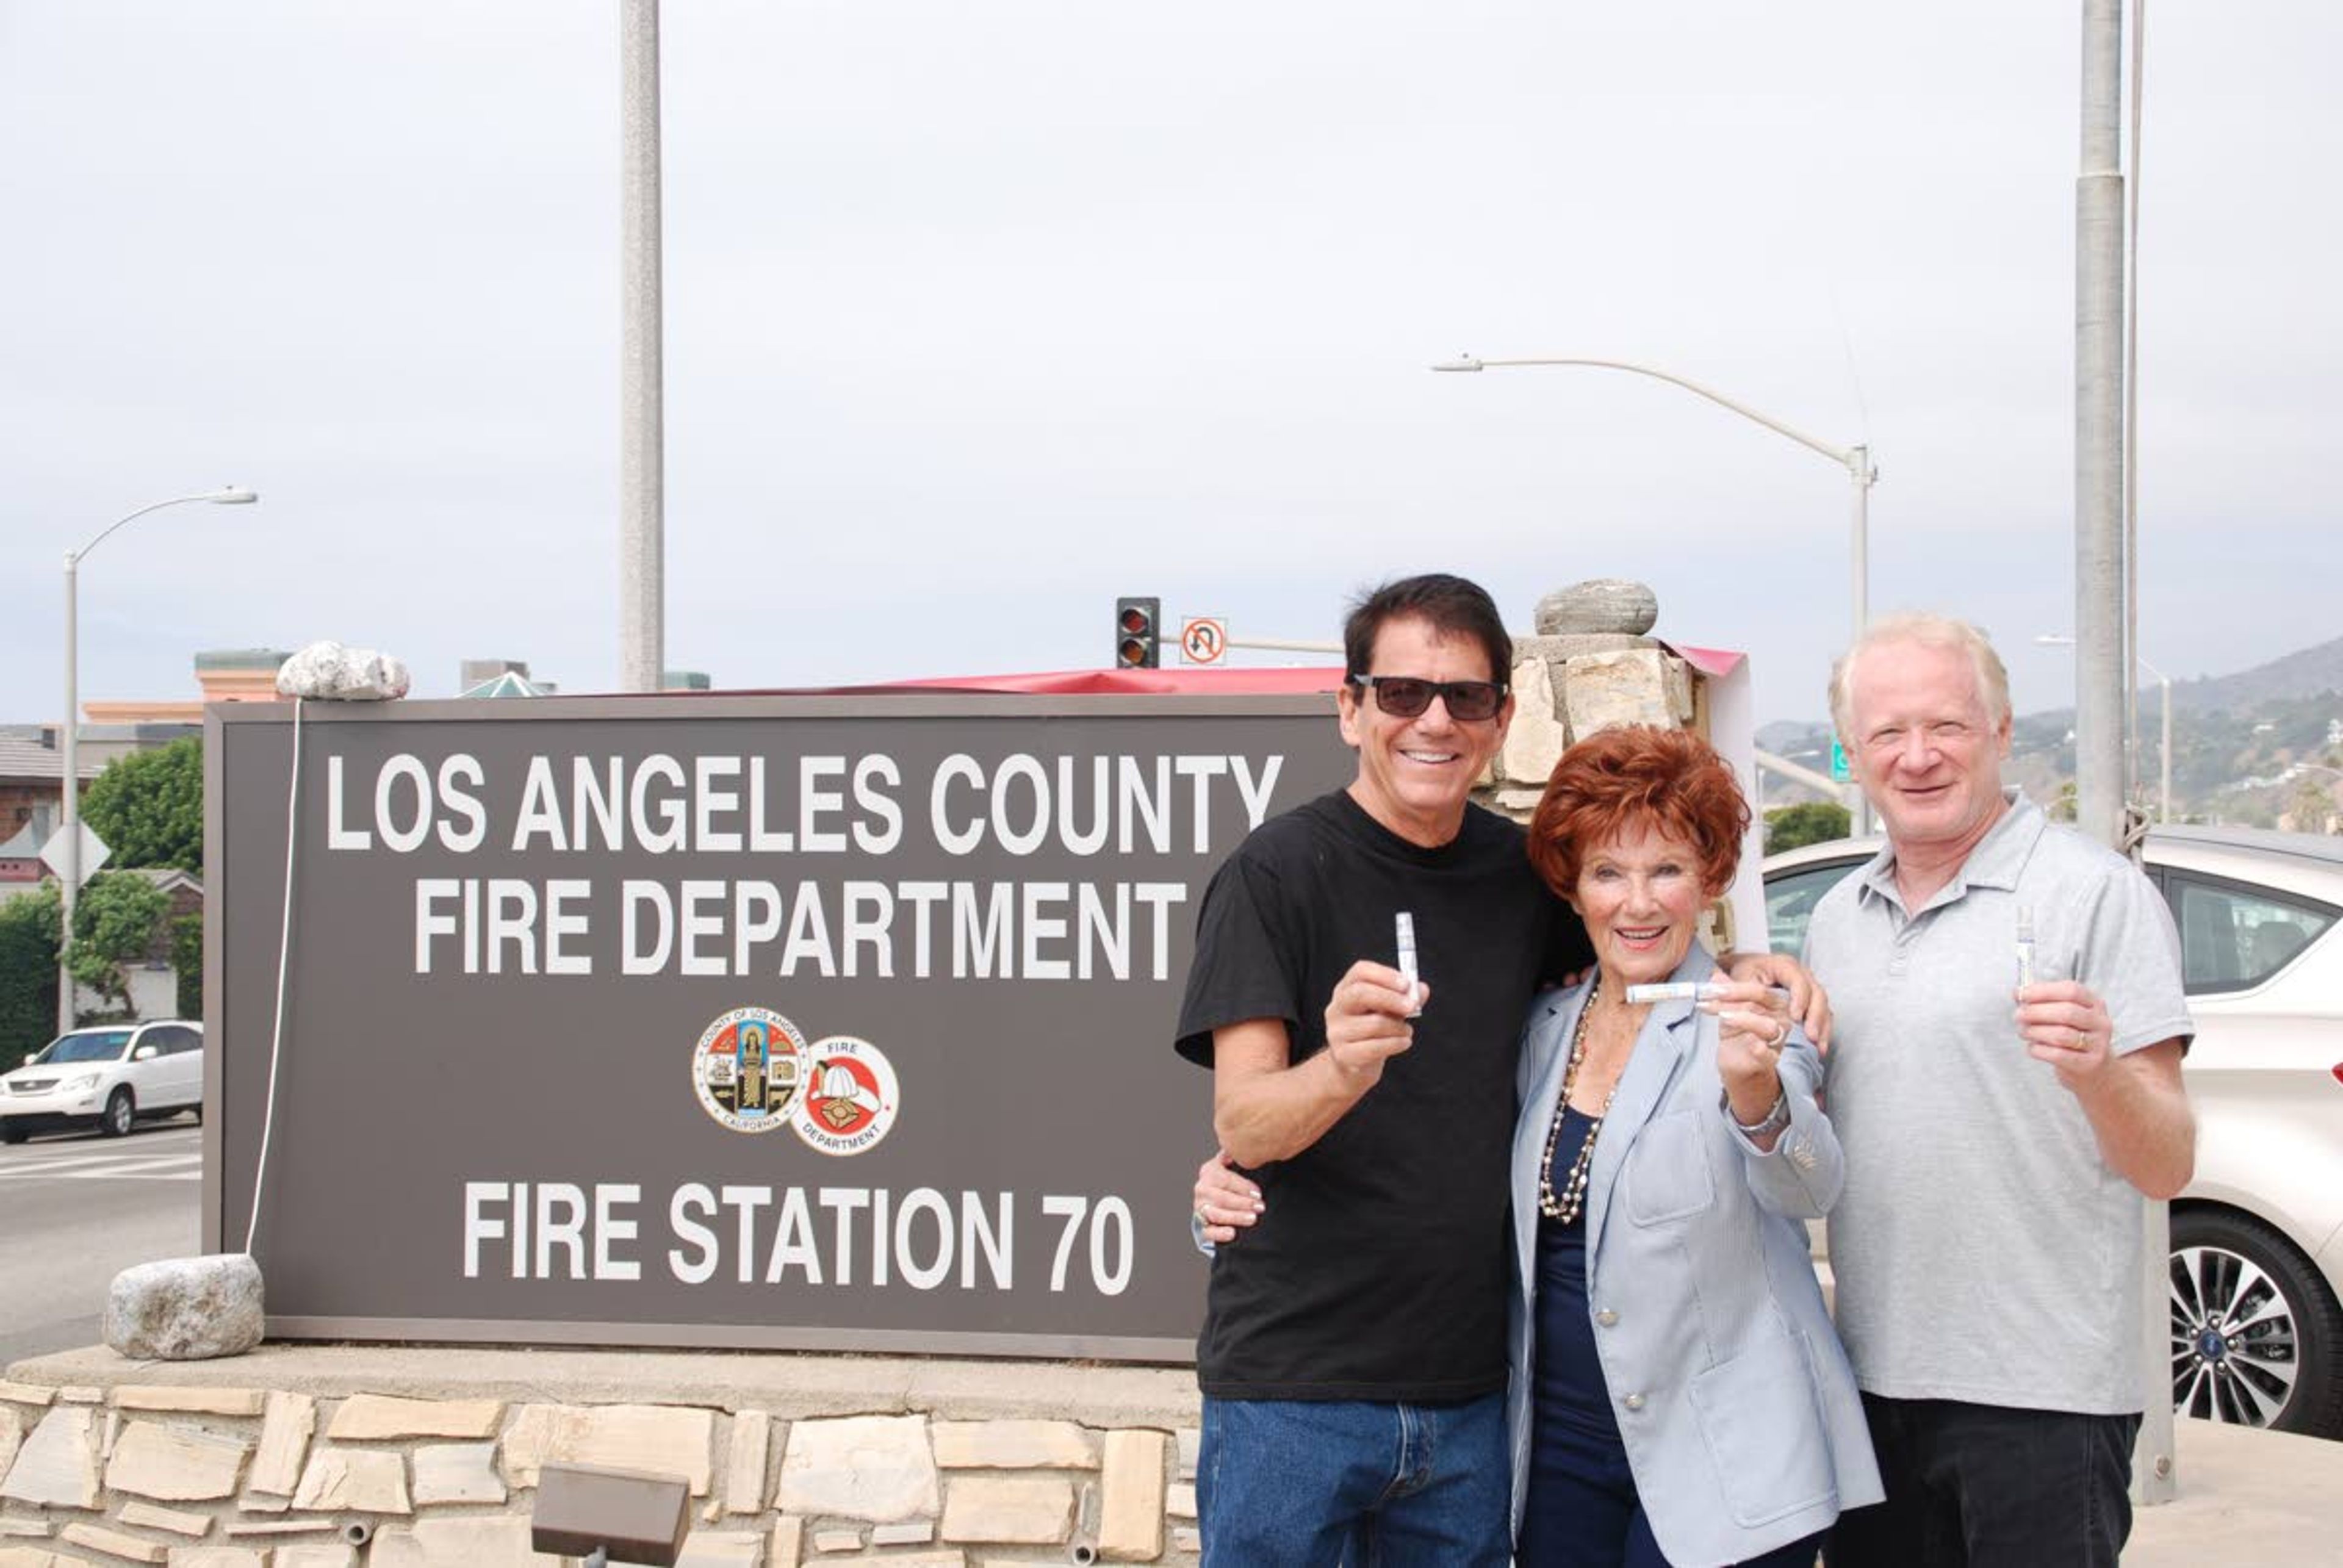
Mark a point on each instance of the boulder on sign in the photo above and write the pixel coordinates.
(186, 1309)
(332, 673)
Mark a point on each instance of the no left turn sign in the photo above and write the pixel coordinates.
(1204, 639)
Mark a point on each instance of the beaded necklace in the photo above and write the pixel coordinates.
(1566, 1205)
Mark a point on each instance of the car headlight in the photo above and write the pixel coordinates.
(72, 1085)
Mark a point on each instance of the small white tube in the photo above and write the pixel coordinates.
(1683, 991)
(2025, 946)
(1404, 924)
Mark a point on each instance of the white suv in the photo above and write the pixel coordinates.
(108, 1077)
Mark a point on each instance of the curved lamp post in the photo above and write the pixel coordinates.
(1855, 460)
(69, 855)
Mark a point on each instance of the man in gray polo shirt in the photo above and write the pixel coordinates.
(1998, 1133)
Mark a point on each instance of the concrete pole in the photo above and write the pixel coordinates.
(1859, 463)
(2099, 654)
(642, 586)
(69, 743)
(2102, 616)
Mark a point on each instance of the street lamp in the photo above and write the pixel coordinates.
(2163, 787)
(1855, 460)
(69, 846)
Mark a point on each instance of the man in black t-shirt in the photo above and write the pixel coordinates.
(1352, 1358)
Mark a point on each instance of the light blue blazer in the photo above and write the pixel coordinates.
(1739, 1414)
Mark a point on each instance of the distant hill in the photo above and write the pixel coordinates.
(2239, 741)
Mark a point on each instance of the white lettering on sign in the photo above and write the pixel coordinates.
(921, 1240)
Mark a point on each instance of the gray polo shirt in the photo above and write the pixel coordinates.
(1983, 1251)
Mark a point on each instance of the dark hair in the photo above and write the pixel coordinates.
(1615, 780)
(1450, 605)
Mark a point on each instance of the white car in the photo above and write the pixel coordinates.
(2257, 1237)
(107, 1077)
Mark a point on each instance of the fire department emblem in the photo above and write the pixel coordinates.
(747, 1069)
(850, 1096)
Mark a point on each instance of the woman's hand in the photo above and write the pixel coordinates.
(1225, 1201)
(1808, 1002)
(1753, 1025)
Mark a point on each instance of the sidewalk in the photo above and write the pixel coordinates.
(2246, 1498)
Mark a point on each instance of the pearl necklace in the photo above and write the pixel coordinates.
(1566, 1205)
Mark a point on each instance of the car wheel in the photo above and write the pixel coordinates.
(2256, 1338)
(12, 1133)
(121, 1110)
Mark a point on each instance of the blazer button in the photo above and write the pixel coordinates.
(1606, 1317)
(1634, 1402)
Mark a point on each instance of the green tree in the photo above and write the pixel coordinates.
(149, 807)
(1808, 822)
(115, 922)
(28, 972)
(187, 960)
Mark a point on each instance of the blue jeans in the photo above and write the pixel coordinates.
(1300, 1484)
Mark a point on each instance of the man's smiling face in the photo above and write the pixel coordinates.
(1926, 751)
(1416, 774)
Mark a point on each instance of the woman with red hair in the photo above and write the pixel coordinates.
(1677, 1395)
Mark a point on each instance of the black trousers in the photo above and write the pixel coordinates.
(1991, 1486)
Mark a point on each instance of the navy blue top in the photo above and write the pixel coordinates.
(1568, 1386)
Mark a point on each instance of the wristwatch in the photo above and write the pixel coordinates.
(1773, 1121)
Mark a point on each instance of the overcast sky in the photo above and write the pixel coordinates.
(977, 316)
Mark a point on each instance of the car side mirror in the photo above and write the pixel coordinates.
(31, 1057)
(144, 1053)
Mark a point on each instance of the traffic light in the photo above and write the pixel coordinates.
(1136, 622)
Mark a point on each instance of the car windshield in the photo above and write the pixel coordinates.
(88, 1045)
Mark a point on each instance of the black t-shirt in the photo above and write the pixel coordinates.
(1379, 1270)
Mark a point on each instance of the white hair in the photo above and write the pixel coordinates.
(1929, 630)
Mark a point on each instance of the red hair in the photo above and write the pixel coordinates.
(1634, 778)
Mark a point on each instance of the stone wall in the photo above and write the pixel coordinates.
(220, 1476)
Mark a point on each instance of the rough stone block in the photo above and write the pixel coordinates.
(1012, 1445)
(1030, 1511)
(1677, 674)
(284, 1431)
(249, 1503)
(11, 1437)
(178, 1521)
(57, 1466)
(378, 1418)
(1180, 1500)
(946, 1557)
(723, 1548)
(837, 1541)
(115, 1543)
(457, 1472)
(1130, 1498)
(1534, 741)
(919, 1534)
(27, 1557)
(189, 1400)
(1187, 1538)
(186, 1309)
(1605, 689)
(81, 1393)
(664, 1438)
(27, 1393)
(1190, 1440)
(357, 1480)
(251, 1528)
(747, 1462)
(175, 1464)
(873, 1467)
(25, 1529)
(781, 1549)
(310, 1554)
(216, 1557)
(488, 1541)
(329, 671)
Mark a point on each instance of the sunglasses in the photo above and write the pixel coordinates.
(1405, 695)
